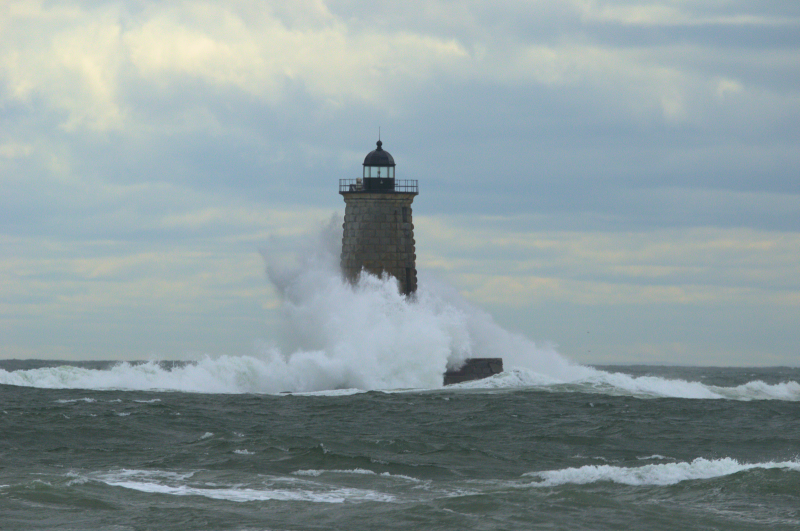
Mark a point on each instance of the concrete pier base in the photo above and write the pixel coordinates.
(474, 369)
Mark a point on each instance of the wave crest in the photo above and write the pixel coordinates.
(659, 474)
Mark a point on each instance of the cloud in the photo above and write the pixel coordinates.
(79, 61)
(15, 150)
(83, 62)
(102, 300)
(676, 13)
(573, 156)
(70, 60)
(496, 261)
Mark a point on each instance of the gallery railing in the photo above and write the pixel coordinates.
(379, 184)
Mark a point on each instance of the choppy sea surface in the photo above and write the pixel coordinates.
(340, 421)
(139, 446)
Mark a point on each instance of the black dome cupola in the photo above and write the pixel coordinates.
(379, 163)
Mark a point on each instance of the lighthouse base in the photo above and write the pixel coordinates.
(474, 369)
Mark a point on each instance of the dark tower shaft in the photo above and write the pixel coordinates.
(378, 232)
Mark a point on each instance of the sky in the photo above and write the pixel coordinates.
(620, 179)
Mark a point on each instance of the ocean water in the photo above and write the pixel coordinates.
(340, 421)
(94, 446)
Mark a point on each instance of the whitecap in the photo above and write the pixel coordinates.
(77, 481)
(657, 474)
(758, 390)
(402, 476)
(314, 472)
(355, 471)
(174, 484)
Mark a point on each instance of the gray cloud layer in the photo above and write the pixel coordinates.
(143, 131)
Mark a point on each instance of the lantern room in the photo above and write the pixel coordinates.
(379, 164)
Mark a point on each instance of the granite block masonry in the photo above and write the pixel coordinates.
(378, 236)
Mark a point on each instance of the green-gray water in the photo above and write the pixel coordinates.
(624, 450)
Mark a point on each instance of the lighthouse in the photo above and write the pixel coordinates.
(378, 237)
(378, 231)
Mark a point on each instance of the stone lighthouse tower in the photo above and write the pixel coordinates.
(378, 231)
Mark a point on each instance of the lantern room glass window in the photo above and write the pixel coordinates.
(379, 171)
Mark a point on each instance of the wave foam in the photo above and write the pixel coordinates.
(758, 390)
(317, 473)
(279, 489)
(251, 374)
(356, 471)
(659, 475)
(590, 380)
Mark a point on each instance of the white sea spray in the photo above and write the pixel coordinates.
(337, 338)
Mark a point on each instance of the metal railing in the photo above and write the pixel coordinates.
(384, 186)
